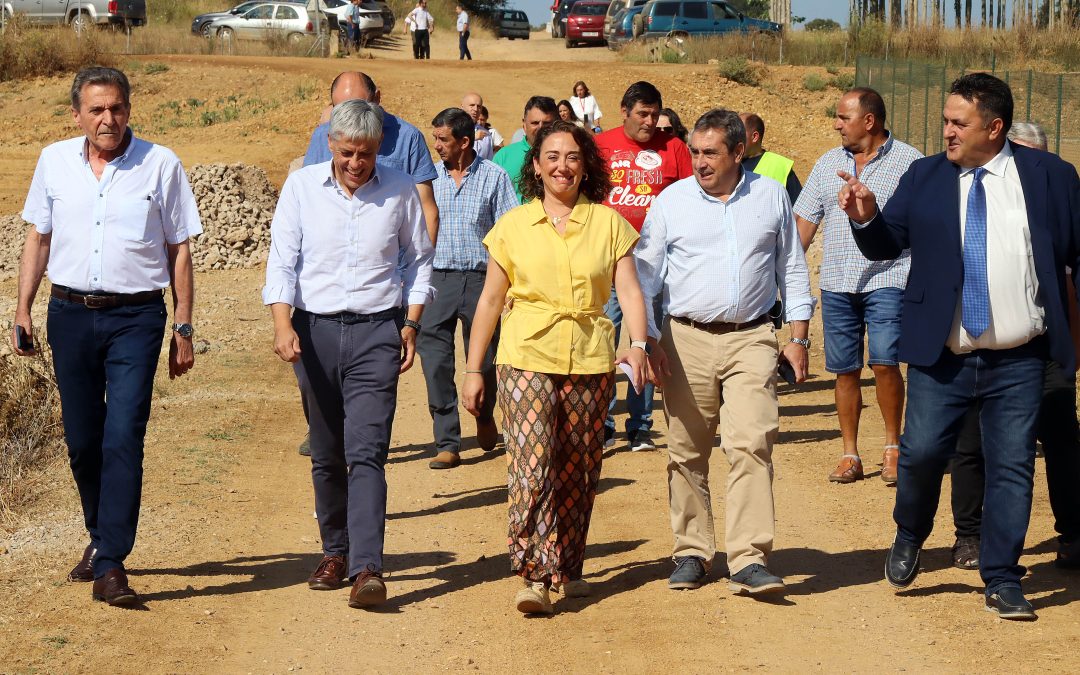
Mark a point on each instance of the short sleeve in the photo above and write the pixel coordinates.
(179, 211)
(421, 168)
(495, 242)
(626, 237)
(38, 207)
(809, 205)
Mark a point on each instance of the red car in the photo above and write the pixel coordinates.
(585, 23)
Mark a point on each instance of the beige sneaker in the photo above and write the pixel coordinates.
(577, 588)
(534, 599)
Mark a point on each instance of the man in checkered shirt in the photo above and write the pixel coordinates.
(859, 296)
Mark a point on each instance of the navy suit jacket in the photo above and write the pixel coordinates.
(924, 215)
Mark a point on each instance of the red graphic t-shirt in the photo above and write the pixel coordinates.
(640, 171)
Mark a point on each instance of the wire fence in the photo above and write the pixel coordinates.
(915, 95)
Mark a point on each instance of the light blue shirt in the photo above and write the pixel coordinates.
(330, 253)
(468, 211)
(716, 261)
(462, 20)
(402, 148)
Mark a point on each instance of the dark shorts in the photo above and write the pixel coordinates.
(846, 317)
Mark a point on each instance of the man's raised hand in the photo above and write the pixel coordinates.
(855, 199)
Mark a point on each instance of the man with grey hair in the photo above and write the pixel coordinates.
(1029, 134)
(111, 215)
(348, 244)
(719, 246)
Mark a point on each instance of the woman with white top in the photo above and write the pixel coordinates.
(585, 107)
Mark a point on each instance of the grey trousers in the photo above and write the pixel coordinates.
(348, 376)
(455, 300)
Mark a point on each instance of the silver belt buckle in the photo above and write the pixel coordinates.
(95, 301)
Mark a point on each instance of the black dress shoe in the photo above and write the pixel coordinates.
(1009, 603)
(113, 588)
(902, 564)
(84, 571)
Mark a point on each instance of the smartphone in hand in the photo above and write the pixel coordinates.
(23, 340)
(786, 372)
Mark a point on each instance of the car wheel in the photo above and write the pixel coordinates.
(81, 22)
(295, 38)
(205, 30)
(225, 33)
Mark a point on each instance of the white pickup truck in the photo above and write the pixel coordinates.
(79, 14)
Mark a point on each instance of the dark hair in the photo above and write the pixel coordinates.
(870, 102)
(580, 83)
(596, 181)
(991, 96)
(753, 122)
(368, 82)
(641, 92)
(458, 121)
(727, 121)
(564, 102)
(546, 104)
(678, 129)
(484, 111)
(102, 76)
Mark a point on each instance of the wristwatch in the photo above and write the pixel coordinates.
(642, 345)
(415, 325)
(805, 342)
(184, 330)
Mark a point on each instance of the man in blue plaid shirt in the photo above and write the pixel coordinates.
(859, 296)
(472, 193)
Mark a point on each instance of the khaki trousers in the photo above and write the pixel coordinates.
(728, 379)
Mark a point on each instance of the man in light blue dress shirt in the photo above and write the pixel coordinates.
(348, 244)
(718, 246)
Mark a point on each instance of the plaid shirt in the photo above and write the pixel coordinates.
(468, 211)
(844, 269)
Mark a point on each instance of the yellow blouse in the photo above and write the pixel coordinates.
(559, 285)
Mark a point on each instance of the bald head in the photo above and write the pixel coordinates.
(472, 103)
(354, 85)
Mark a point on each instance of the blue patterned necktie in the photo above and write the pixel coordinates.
(975, 303)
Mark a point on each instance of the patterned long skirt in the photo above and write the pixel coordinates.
(554, 447)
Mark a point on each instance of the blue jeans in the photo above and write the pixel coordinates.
(105, 361)
(1006, 385)
(846, 317)
(640, 406)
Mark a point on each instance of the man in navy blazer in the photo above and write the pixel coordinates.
(991, 227)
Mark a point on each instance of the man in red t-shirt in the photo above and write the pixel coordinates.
(642, 161)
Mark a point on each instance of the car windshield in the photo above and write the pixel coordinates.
(240, 9)
(589, 10)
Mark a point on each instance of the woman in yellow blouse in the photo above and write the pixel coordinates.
(554, 258)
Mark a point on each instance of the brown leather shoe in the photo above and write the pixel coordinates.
(368, 590)
(487, 435)
(113, 588)
(84, 571)
(848, 470)
(888, 464)
(329, 575)
(445, 460)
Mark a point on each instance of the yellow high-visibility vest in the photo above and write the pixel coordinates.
(774, 166)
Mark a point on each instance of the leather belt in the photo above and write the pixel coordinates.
(350, 318)
(94, 300)
(721, 327)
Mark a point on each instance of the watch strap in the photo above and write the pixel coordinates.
(415, 325)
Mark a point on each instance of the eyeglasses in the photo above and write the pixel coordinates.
(667, 129)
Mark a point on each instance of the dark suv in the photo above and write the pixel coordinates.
(686, 18)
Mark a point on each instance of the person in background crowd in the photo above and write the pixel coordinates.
(641, 162)
(765, 163)
(348, 247)
(974, 332)
(669, 122)
(717, 355)
(472, 193)
(484, 146)
(484, 121)
(557, 353)
(539, 112)
(110, 215)
(859, 296)
(1057, 431)
(567, 114)
(422, 25)
(463, 33)
(585, 107)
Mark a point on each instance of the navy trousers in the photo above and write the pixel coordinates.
(348, 376)
(1006, 385)
(105, 362)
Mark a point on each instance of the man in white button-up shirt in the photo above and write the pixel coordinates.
(111, 218)
(348, 243)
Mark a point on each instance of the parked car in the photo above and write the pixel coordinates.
(370, 20)
(585, 23)
(200, 25)
(684, 18)
(388, 18)
(79, 14)
(510, 23)
(288, 19)
(619, 22)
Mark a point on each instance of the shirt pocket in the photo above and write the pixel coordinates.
(131, 217)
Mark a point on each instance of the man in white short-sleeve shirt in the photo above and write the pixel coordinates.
(111, 217)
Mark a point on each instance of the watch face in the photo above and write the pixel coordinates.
(184, 329)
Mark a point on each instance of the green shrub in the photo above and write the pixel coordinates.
(842, 81)
(813, 82)
(739, 70)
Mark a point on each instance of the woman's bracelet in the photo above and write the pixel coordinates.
(478, 372)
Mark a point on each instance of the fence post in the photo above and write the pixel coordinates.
(926, 111)
(910, 83)
(1061, 89)
(1030, 77)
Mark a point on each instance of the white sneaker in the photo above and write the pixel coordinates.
(534, 599)
(577, 588)
(642, 440)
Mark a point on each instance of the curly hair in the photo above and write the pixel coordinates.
(595, 183)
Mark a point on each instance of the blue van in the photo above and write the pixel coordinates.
(660, 18)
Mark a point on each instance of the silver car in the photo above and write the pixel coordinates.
(79, 14)
(287, 19)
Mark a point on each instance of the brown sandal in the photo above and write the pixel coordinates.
(848, 470)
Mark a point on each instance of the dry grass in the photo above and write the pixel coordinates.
(32, 52)
(31, 435)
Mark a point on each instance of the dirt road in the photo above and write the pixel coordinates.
(227, 536)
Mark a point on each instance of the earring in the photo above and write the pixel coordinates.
(536, 175)
(584, 178)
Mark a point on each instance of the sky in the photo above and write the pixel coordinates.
(539, 10)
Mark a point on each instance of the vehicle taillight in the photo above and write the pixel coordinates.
(113, 7)
(309, 27)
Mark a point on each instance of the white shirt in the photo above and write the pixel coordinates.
(485, 147)
(110, 234)
(1016, 311)
(330, 253)
(462, 21)
(420, 19)
(586, 106)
